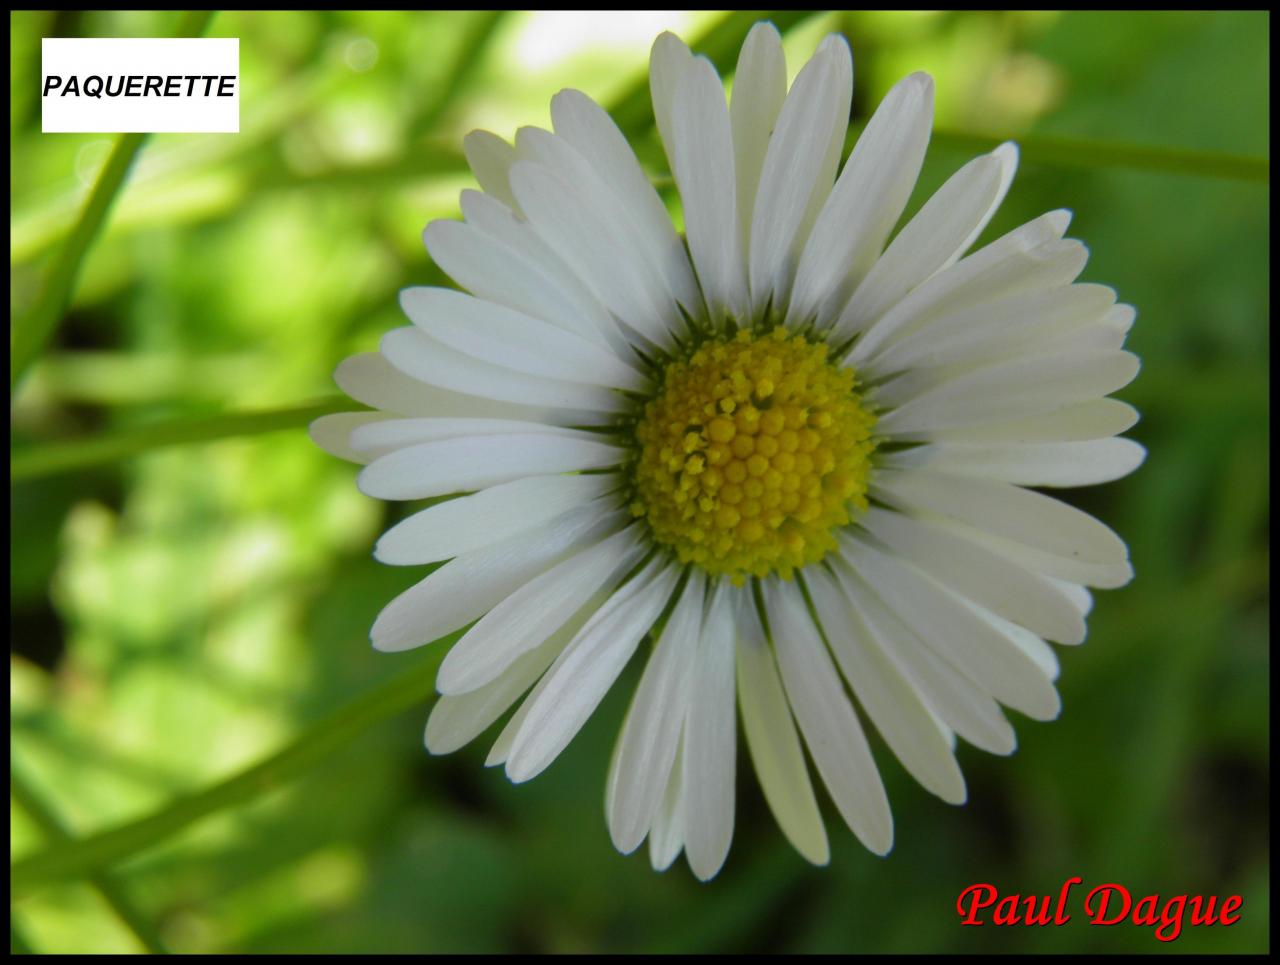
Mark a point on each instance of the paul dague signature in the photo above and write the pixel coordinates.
(1108, 904)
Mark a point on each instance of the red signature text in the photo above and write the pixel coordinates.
(1106, 904)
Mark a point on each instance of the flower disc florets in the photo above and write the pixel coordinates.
(752, 451)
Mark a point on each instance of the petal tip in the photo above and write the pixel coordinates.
(761, 28)
(922, 79)
(1007, 153)
(1060, 220)
(479, 135)
(667, 39)
(363, 482)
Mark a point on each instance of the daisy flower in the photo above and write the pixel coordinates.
(785, 457)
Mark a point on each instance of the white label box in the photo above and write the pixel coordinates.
(134, 84)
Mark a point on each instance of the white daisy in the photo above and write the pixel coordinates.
(786, 462)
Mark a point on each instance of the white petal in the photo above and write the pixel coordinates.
(498, 222)
(1033, 646)
(702, 161)
(1016, 325)
(1095, 419)
(490, 158)
(1046, 464)
(496, 218)
(1027, 257)
(830, 727)
(532, 613)
(979, 574)
(799, 169)
(415, 353)
(501, 749)
(667, 61)
(960, 703)
(471, 584)
(461, 525)
(1051, 265)
(371, 379)
(710, 730)
(865, 203)
(666, 837)
(772, 741)
(1102, 335)
(1122, 317)
(587, 668)
(332, 433)
(1005, 390)
(460, 719)
(474, 462)
(1068, 568)
(954, 633)
(759, 89)
(1018, 514)
(892, 703)
(939, 234)
(1078, 595)
(485, 265)
(567, 219)
(651, 732)
(650, 257)
(390, 434)
(587, 126)
(1064, 374)
(1104, 332)
(515, 340)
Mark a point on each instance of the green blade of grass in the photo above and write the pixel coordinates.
(105, 883)
(1080, 152)
(80, 857)
(29, 336)
(468, 58)
(45, 459)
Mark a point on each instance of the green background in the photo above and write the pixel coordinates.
(182, 613)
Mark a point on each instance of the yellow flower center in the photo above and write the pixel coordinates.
(753, 450)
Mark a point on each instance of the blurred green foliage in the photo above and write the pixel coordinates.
(183, 613)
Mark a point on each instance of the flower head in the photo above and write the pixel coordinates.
(783, 456)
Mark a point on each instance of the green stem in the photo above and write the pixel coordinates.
(77, 858)
(28, 338)
(110, 889)
(54, 457)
